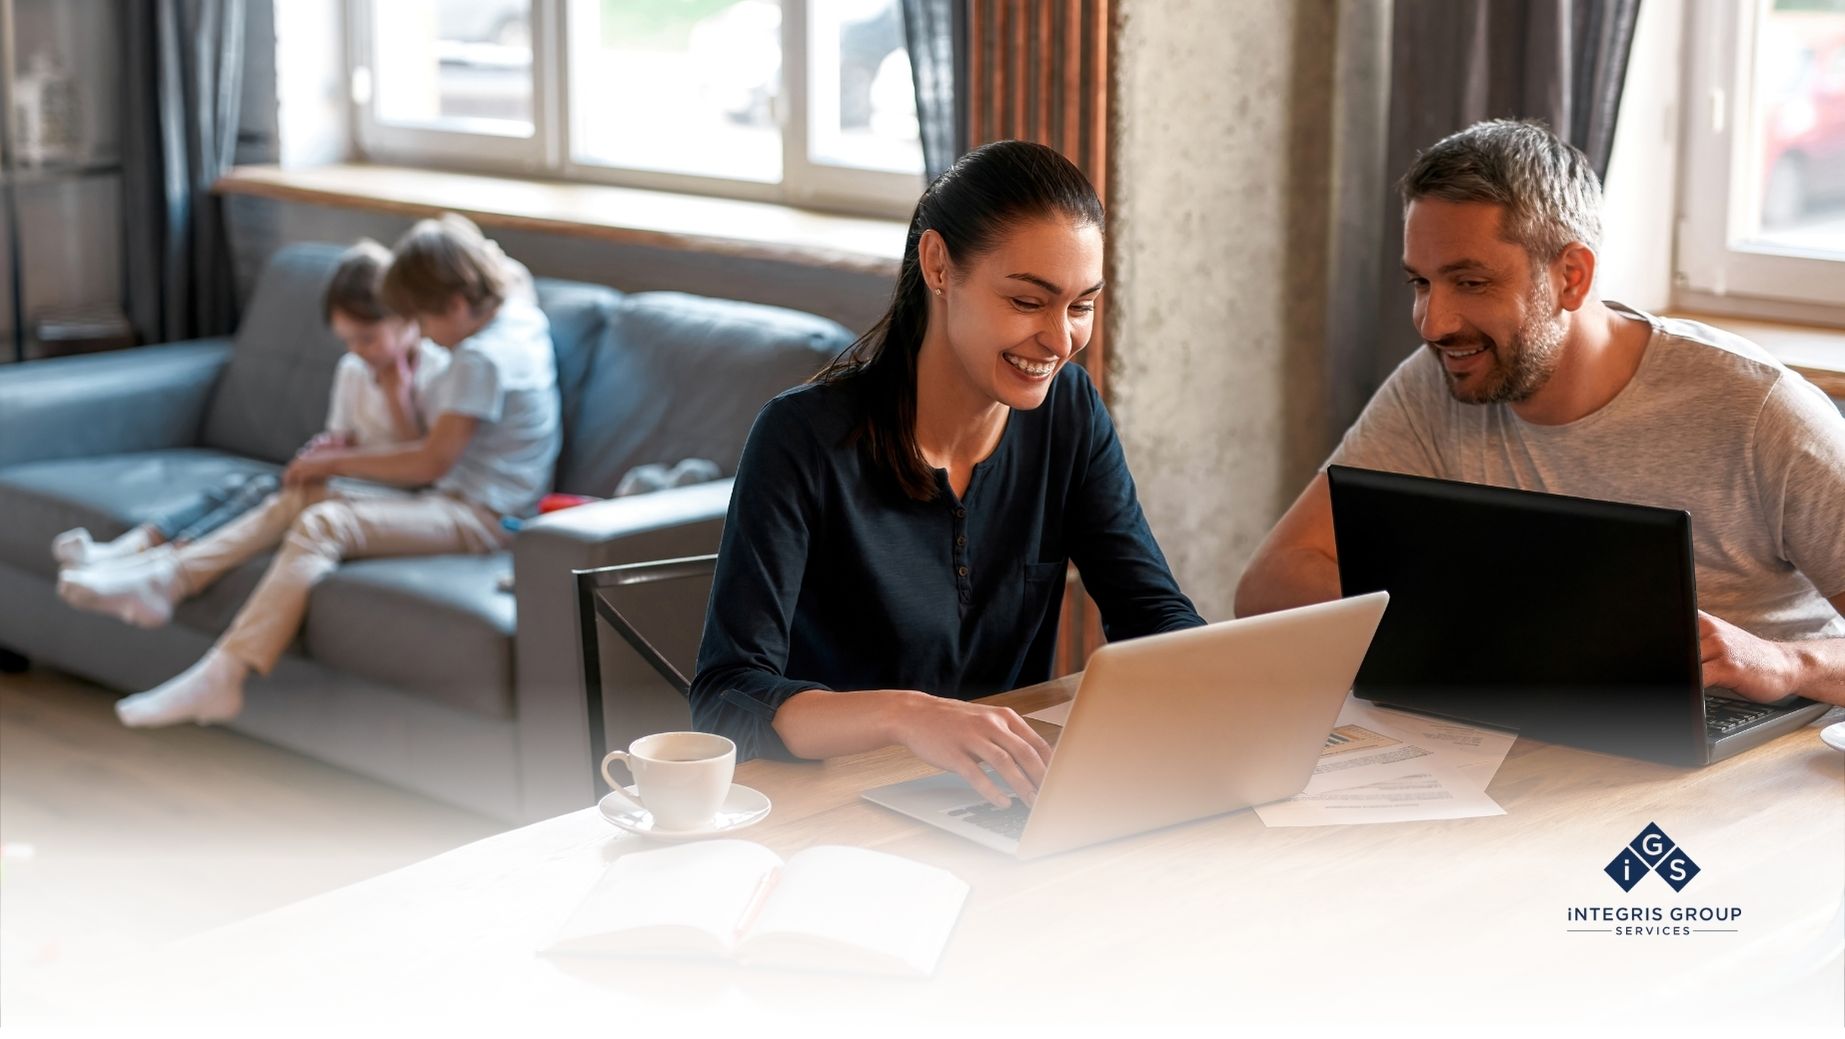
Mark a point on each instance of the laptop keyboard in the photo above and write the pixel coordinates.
(1723, 716)
(1007, 822)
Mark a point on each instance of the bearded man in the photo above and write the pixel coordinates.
(1527, 379)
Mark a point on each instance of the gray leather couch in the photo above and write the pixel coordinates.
(419, 672)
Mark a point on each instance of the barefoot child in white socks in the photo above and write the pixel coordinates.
(380, 396)
(487, 455)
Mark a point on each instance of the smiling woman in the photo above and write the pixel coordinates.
(900, 527)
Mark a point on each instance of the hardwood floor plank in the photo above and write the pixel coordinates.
(114, 841)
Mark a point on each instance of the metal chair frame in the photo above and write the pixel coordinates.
(593, 603)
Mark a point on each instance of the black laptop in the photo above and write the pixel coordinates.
(1570, 620)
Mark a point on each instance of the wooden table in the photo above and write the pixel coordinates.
(1455, 922)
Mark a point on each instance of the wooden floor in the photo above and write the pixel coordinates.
(114, 841)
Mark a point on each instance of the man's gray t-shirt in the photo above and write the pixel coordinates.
(1710, 423)
(505, 376)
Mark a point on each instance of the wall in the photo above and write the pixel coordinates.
(1220, 225)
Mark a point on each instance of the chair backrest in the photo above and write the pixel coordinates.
(639, 629)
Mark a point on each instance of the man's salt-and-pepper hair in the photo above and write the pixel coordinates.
(1551, 194)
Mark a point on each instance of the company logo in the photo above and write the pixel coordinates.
(1651, 851)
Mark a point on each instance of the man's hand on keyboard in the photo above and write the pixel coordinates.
(1755, 668)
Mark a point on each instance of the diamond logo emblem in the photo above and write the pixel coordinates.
(1652, 851)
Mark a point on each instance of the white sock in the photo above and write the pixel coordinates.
(208, 691)
(73, 548)
(142, 592)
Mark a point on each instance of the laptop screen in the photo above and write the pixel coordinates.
(1568, 619)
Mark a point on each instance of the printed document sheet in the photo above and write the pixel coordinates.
(1384, 766)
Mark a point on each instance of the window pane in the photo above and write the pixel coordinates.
(1799, 130)
(862, 100)
(679, 86)
(454, 64)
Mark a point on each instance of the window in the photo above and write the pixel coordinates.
(1763, 210)
(805, 102)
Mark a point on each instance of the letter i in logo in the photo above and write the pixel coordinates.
(1626, 869)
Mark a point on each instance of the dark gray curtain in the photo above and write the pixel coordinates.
(935, 32)
(1452, 64)
(182, 81)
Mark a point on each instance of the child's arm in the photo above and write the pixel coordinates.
(326, 440)
(399, 385)
(415, 464)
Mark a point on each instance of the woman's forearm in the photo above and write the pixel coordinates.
(822, 724)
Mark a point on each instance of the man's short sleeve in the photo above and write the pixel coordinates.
(1800, 474)
(1396, 431)
(471, 387)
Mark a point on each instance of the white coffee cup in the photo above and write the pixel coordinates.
(680, 778)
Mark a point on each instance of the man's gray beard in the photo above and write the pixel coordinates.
(1528, 359)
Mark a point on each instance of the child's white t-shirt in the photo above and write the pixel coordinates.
(359, 408)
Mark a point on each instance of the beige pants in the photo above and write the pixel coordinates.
(316, 529)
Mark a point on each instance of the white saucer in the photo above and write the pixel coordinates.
(742, 807)
(1834, 735)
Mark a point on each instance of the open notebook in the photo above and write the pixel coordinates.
(826, 908)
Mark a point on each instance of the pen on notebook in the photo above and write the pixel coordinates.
(754, 909)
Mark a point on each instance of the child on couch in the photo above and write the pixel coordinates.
(380, 396)
(487, 455)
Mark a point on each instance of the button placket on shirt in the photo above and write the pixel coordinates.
(963, 585)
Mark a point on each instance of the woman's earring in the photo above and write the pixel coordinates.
(938, 292)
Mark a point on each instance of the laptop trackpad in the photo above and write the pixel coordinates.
(943, 792)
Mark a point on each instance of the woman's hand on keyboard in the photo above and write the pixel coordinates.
(961, 737)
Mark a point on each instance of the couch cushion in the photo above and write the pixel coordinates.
(106, 493)
(682, 376)
(434, 626)
(110, 493)
(579, 314)
(437, 626)
(273, 396)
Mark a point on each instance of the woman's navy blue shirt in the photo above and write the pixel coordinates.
(829, 577)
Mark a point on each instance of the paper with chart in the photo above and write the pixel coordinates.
(1382, 766)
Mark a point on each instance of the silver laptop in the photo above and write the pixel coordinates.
(1170, 728)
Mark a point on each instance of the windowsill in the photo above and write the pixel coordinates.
(1815, 352)
(692, 223)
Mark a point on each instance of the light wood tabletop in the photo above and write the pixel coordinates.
(1219, 921)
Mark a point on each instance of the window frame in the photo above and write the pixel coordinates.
(548, 152)
(1713, 269)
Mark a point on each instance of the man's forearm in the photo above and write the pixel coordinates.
(1285, 579)
(1820, 667)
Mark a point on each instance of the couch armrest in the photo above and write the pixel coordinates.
(556, 772)
(129, 400)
